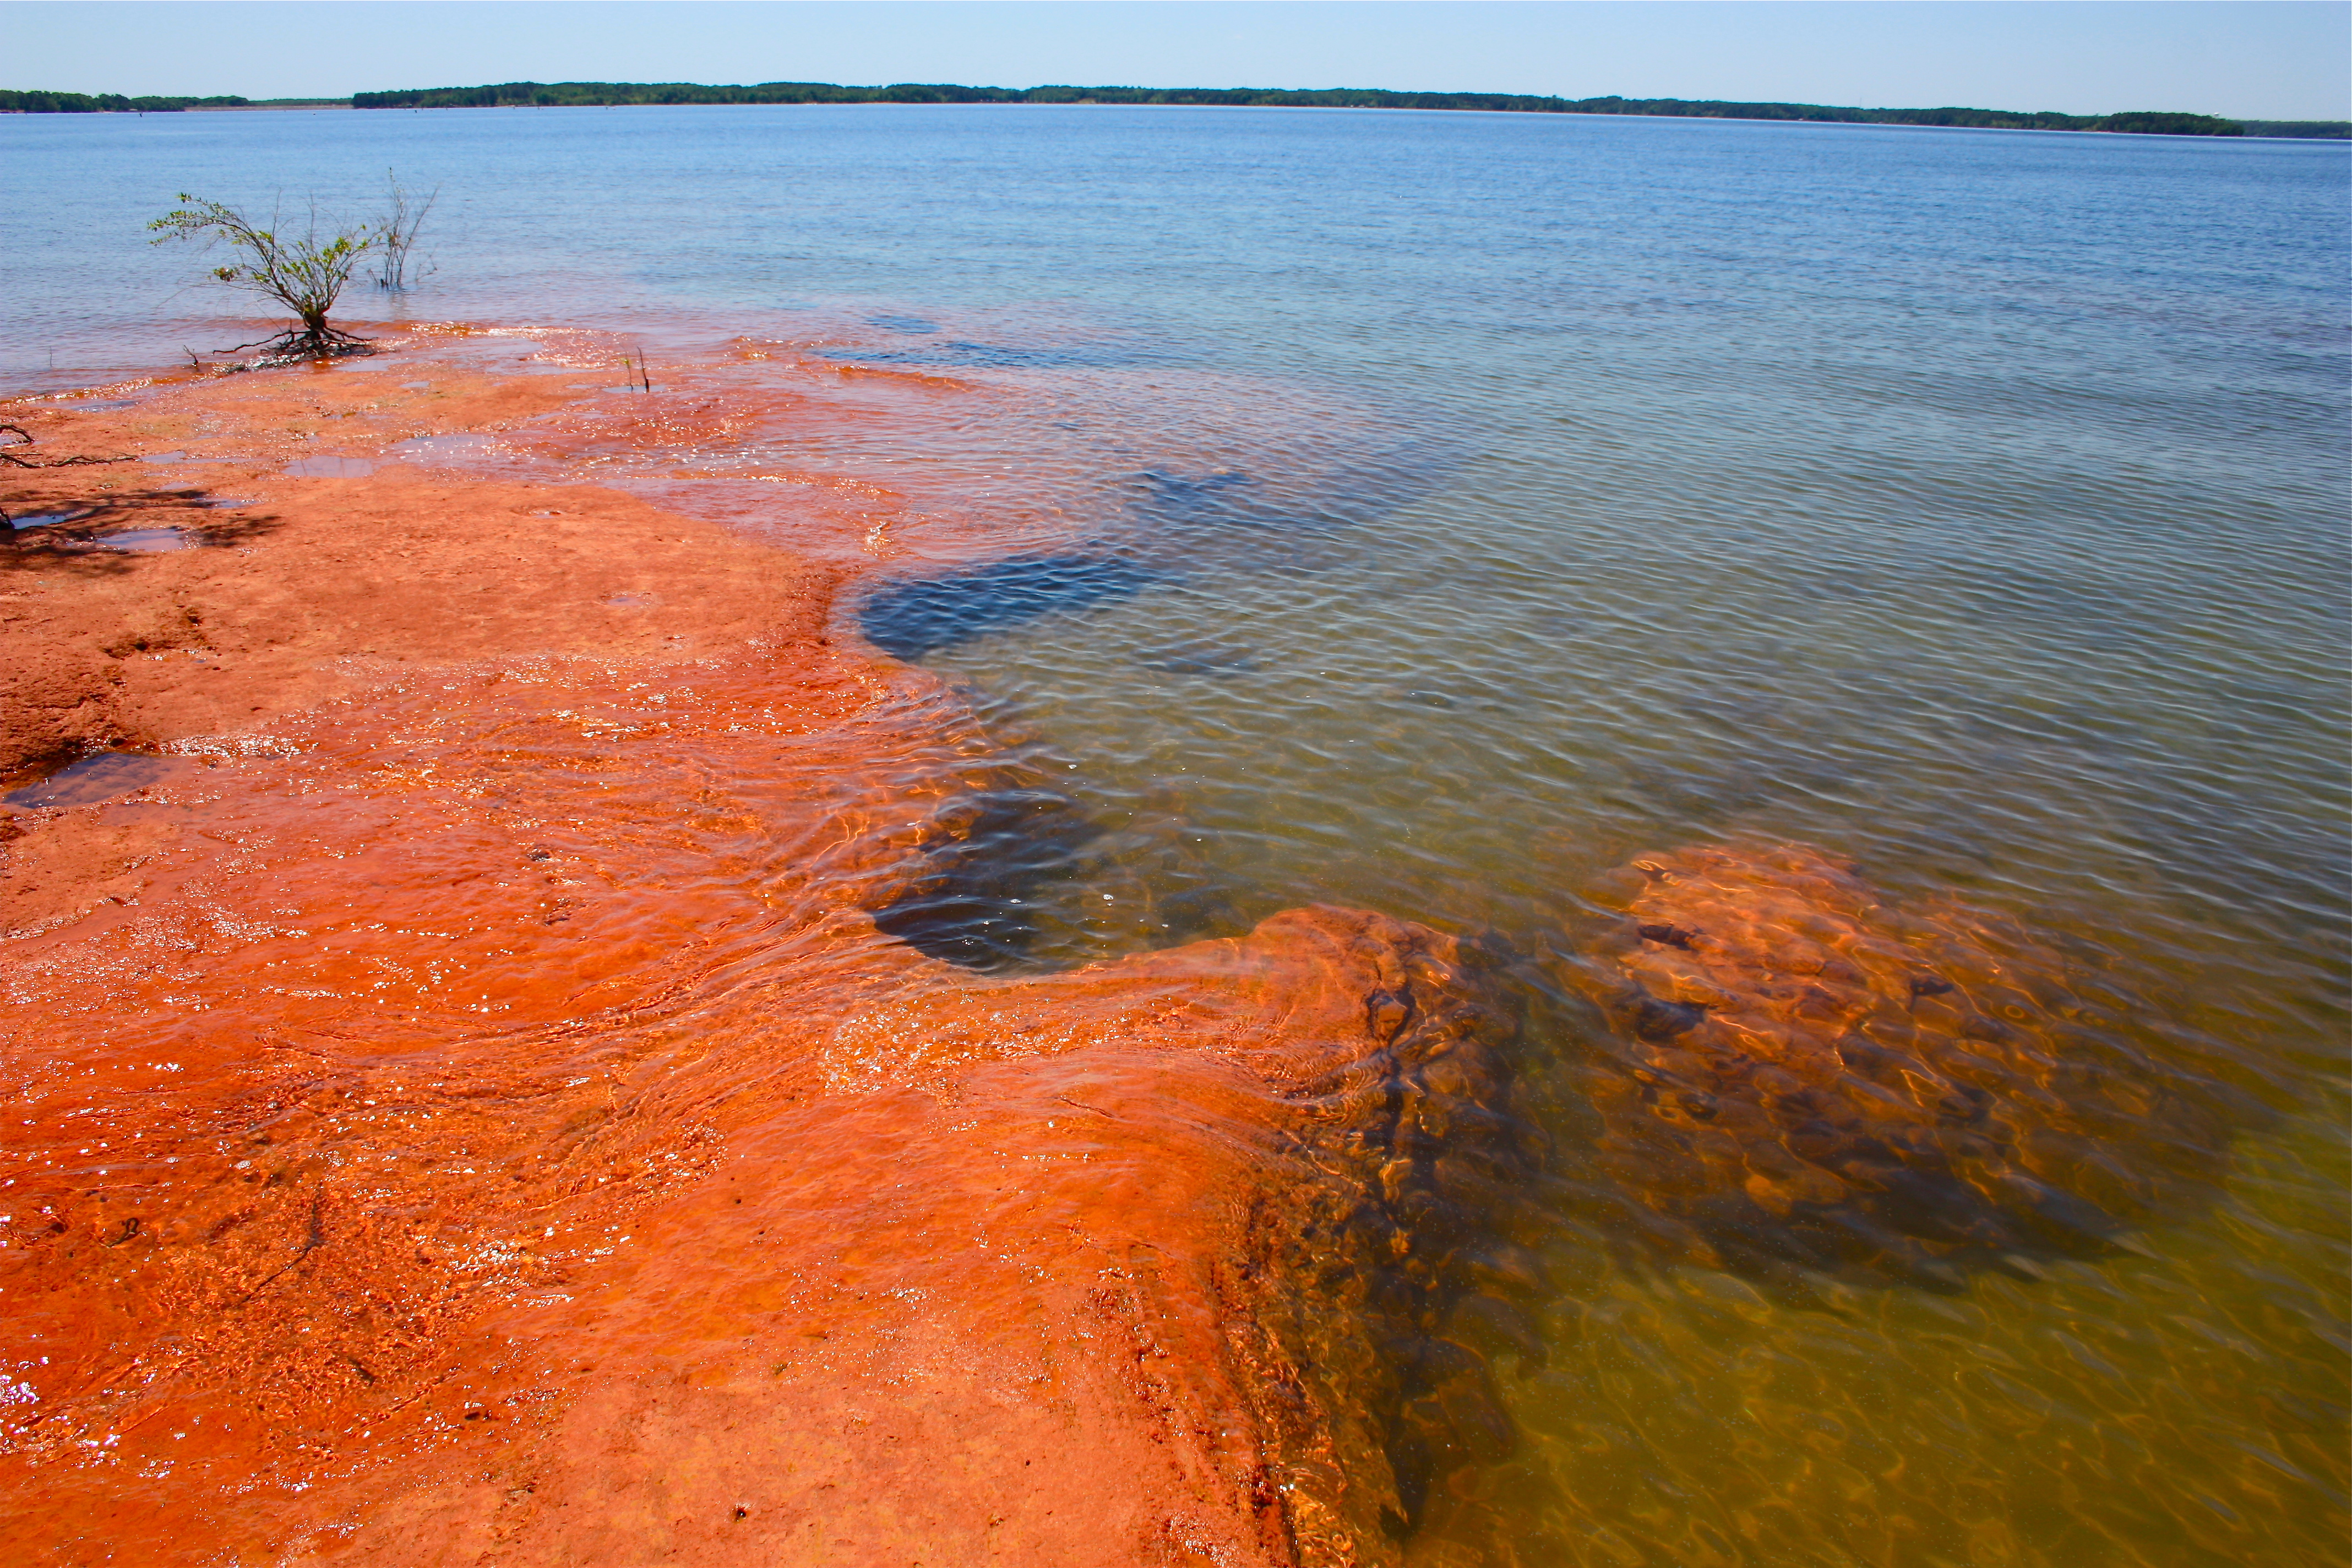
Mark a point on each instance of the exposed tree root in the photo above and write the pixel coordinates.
(297, 345)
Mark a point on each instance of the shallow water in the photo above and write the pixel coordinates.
(88, 780)
(1471, 505)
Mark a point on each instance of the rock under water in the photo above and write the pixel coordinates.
(1807, 1072)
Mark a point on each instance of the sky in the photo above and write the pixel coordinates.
(2273, 60)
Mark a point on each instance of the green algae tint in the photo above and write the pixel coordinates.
(1547, 494)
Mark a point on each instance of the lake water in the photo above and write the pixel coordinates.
(1552, 491)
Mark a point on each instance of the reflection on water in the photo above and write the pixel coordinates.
(88, 780)
(147, 539)
(1967, 1189)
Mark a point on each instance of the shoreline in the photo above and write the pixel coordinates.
(509, 1070)
(504, 884)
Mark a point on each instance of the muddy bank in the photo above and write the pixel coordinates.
(463, 1107)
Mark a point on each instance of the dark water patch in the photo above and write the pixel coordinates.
(992, 855)
(92, 779)
(913, 325)
(910, 619)
(1234, 501)
(1016, 873)
(1179, 495)
(1305, 515)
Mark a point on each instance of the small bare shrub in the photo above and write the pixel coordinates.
(396, 235)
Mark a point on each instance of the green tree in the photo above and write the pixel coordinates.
(304, 273)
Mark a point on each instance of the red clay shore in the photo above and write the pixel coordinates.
(460, 1108)
(464, 1104)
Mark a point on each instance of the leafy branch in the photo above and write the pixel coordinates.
(304, 273)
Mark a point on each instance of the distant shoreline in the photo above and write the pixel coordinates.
(588, 95)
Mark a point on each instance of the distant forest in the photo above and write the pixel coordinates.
(2325, 130)
(15, 102)
(589, 94)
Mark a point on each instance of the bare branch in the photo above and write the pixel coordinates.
(397, 233)
(25, 439)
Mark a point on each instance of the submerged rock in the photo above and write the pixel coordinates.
(1384, 1281)
(1806, 1072)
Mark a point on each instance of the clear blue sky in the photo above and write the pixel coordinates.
(2285, 59)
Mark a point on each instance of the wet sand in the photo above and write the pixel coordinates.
(462, 1108)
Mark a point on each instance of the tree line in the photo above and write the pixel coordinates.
(13, 101)
(605, 93)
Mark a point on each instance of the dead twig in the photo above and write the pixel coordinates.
(397, 233)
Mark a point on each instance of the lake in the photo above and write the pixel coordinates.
(1558, 493)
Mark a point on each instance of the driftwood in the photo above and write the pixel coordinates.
(25, 439)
